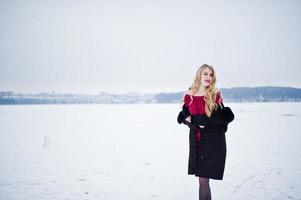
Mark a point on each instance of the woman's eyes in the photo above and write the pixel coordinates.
(207, 74)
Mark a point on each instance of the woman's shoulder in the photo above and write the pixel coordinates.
(217, 90)
(218, 95)
(188, 92)
(187, 96)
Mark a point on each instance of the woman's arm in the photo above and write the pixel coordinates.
(204, 120)
(223, 116)
(183, 114)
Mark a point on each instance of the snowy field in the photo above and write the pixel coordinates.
(139, 152)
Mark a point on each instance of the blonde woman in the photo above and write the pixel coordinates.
(202, 111)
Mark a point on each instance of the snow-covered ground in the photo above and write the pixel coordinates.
(138, 151)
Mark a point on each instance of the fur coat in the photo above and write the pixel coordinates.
(210, 163)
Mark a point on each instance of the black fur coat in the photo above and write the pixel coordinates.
(210, 162)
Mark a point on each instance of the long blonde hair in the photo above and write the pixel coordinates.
(210, 91)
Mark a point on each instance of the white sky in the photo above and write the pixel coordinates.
(147, 46)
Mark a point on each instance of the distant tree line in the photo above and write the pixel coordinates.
(245, 94)
(236, 94)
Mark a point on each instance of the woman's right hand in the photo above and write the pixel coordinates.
(188, 119)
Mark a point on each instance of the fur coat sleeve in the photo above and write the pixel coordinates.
(222, 116)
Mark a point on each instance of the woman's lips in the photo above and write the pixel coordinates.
(207, 81)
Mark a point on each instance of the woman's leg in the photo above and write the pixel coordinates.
(204, 189)
(209, 192)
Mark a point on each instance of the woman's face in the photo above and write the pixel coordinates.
(206, 77)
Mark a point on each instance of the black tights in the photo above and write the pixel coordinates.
(204, 190)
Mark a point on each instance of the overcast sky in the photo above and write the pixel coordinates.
(147, 46)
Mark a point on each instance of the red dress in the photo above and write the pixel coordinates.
(196, 106)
